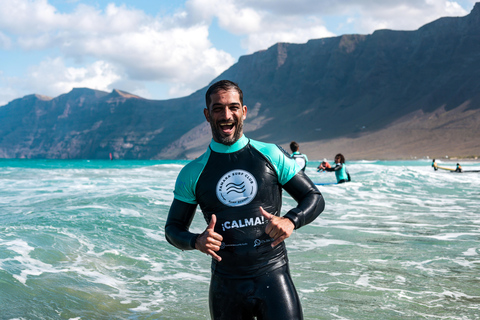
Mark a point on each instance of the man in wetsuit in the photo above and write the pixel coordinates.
(238, 184)
(300, 158)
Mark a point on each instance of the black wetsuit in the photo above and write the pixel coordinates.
(232, 183)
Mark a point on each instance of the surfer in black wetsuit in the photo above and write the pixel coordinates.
(238, 184)
(458, 168)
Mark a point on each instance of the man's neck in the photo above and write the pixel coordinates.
(222, 148)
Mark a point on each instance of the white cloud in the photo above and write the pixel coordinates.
(260, 22)
(52, 77)
(134, 48)
(165, 50)
(404, 15)
(5, 42)
(267, 38)
(8, 92)
(27, 17)
(265, 22)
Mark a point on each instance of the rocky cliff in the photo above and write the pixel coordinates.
(391, 94)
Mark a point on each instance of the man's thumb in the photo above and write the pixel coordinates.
(212, 223)
(267, 215)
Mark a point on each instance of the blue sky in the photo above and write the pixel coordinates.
(170, 48)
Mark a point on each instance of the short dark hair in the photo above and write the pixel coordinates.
(222, 85)
(342, 158)
(294, 146)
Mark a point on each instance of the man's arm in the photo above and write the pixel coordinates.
(310, 200)
(337, 167)
(178, 222)
(310, 205)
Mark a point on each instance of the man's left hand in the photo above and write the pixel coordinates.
(278, 228)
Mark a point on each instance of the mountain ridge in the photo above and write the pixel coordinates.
(366, 96)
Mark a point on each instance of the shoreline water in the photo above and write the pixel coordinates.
(84, 239)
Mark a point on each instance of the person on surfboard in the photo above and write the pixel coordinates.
(238, 185)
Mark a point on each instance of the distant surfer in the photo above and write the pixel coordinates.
(300, 158)
(238, 185)
(341, 172)
(434, 165)
(458, 168)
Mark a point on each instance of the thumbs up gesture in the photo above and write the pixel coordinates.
(209, 241)
(278, 228)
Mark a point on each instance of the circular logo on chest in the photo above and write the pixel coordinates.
(237, 188)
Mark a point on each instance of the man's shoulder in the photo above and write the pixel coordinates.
(195, 166)
(269, 148)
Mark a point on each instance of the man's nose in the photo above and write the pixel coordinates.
(227, 113)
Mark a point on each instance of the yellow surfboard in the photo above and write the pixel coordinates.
(449, 169)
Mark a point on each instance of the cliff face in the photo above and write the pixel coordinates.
(390, 94)
(89, 124)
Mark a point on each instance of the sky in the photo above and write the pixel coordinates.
(163, 49)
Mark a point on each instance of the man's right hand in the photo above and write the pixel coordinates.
(209, 241)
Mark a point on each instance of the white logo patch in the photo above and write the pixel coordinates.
(237, 188)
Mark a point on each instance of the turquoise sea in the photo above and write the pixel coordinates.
(85, 240)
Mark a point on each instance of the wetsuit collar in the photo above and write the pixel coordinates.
(221, 148)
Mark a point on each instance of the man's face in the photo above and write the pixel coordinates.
(225, 115)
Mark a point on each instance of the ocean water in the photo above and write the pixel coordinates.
(85, 240)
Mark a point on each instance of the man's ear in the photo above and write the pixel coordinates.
(205, 113)
(244, 112)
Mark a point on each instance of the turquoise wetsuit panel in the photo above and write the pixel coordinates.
(341, 174)
(188, 177)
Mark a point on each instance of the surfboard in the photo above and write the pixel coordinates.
(449, 169)
(453, 170)
(325, 183)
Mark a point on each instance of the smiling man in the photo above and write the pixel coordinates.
(238, 184)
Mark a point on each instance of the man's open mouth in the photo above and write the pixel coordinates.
(227, 127)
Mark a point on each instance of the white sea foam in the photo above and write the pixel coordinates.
(400, 239)
(471, 252)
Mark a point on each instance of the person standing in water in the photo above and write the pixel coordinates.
(458, 168)
(300, 158)
(238, 185)
(340, 169)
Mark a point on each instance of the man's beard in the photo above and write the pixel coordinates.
(217, 132)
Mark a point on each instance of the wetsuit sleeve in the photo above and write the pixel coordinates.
(178, 222)
(336, 168)
(310, 200)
